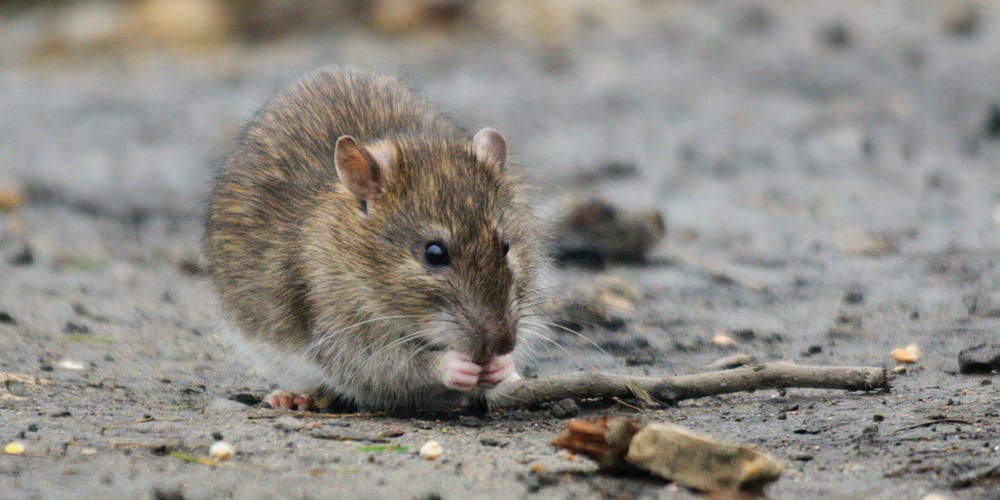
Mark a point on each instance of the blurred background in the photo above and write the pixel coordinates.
(726, 115)
(827, 173)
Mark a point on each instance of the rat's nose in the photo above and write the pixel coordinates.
(500, 343)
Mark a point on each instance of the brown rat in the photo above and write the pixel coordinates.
(368, 248)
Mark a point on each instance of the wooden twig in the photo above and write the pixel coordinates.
(669, 390)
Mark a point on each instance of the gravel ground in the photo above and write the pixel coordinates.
(828, 173)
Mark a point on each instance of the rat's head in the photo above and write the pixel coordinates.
(448, 243)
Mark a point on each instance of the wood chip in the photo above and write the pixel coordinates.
(11, 197)
(672, 452)
(908, 354)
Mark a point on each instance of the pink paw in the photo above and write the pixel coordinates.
(289, 401)
(497, 370)
(460, 373)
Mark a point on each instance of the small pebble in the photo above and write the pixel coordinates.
(960, 18)
(88, 451)
(70, 364)
(431, 450)
(469, 421)
(564, 408)
(854, 296)
(221, 450)
(72, 327)
(723, 340)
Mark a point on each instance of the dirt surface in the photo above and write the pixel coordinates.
(829, 174)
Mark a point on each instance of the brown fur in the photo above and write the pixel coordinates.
(327, 291)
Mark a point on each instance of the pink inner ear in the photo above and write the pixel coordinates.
(357, 169)
(490, 146)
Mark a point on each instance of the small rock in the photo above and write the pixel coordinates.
(469, 421)
(854, 296)
(431, 450)
(992, 128)
(245, 398)
(813, 350)
(835, 35)
(640, 358)
(72, 327)
(564, 408)
(164, 493)
(960, 18)
(221, 451)
(982, 358)
(217, 436)
(61, 414)
(595, 231)
(493, 442)
(7, 319)
(25, 257)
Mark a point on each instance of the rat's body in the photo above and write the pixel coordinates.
(359, 240)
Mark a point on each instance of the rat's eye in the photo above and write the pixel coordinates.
(436, 254)
(506, 245)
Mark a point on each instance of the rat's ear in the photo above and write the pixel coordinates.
(490, 147)
(358, 169)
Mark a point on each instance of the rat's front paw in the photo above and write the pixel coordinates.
(289, 401)
(460, 373)
(497, 370)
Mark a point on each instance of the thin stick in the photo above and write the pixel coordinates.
(669, 390)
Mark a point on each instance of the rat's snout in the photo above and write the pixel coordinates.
(493, 337)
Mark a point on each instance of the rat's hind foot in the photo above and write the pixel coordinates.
(290, 401)
(497, 370)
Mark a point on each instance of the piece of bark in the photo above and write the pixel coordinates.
(669, 390)
(670, 451)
